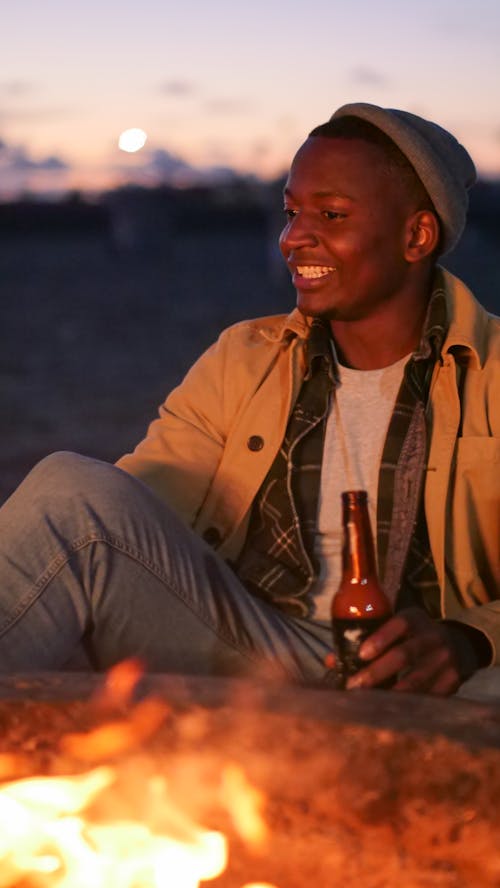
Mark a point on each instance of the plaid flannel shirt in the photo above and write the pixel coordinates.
(277, 562)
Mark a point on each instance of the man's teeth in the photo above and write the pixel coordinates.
(314, 271)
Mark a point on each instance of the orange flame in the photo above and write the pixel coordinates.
(120, 736)
(72, 831)
(43, 834)
(244, 804)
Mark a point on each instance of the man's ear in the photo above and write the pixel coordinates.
(421, 235)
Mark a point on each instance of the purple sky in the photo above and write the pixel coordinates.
(229, 83)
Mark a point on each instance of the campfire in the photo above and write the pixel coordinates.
(209, 782)
(82, 829)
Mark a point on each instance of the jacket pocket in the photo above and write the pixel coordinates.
(473, 452)
(473, 532)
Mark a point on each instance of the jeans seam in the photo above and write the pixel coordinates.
(119, 544)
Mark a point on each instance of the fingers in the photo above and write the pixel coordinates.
(407, 623)
(386, 668)
(413, 653)
(405, 670)
(436, 674)
(394, 630)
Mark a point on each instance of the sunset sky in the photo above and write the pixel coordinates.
(222, 83)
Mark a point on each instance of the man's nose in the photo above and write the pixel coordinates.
(298, 233)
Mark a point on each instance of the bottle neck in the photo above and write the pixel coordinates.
(358, 553)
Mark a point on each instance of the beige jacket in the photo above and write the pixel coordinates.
(219, 431)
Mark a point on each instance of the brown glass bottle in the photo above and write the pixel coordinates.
(360, 605)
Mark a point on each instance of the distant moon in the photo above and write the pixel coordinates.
(132, 140)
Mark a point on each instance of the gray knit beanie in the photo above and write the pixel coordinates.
(442, 164)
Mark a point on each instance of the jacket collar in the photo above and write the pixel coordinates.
(466, 321)
(294, 324)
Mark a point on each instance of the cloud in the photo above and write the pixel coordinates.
(18, 160)
(178, 88)
(15, 88)
(162, 167)
(227, 107)
(260, 148)
(368, 76)
(173, 169)
(15, 115)
(159, 166)
(168, 165)
(20, 171)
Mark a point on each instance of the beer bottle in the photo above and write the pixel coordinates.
(360, 605)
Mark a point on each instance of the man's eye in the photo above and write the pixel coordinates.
(333, 214)
(289, 213)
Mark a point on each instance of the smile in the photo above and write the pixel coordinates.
(314, 271)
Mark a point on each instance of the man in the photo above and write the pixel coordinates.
(386, 376)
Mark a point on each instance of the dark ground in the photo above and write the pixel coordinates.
(92, 339)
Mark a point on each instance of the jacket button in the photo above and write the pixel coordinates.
(255, 442)
(212, 536)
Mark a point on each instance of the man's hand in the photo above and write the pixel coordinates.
(414, 647)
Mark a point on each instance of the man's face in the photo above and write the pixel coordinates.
(344, 240)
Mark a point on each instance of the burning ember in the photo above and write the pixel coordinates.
(78, 830)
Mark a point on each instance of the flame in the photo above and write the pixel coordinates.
(119, 684)
(244, 804)
(12, 764)
(120, 736)
(74, 831)
(42, 833)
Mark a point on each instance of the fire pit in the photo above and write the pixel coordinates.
(369, 788)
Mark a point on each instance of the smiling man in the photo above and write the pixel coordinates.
(215, 546)
(359, 244)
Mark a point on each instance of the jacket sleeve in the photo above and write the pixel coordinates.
(486, 619)
(183, 447)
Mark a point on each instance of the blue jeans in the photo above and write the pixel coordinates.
(95, 568)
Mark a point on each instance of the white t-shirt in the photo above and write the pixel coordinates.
(355, 434)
